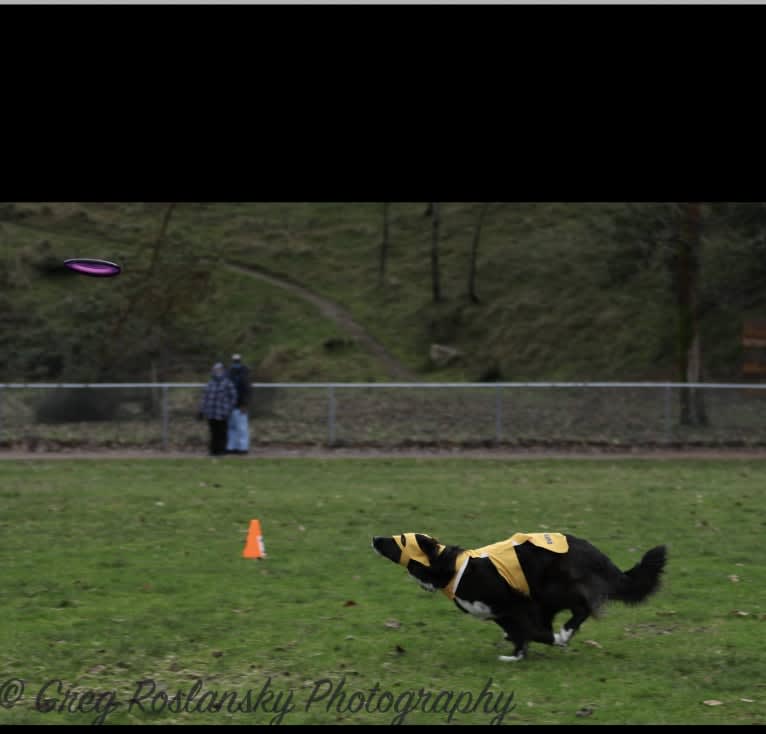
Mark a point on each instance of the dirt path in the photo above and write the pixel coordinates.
(339, 315)
(368, 453)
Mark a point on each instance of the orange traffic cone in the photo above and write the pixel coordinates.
(254, 547)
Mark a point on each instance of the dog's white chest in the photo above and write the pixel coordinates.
(476, 608)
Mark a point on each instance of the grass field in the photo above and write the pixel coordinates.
(116, 572)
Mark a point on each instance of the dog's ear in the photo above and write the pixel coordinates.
(429, 546)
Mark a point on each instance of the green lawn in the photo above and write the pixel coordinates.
(116, 572)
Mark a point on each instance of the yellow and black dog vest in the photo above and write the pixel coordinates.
(502, 555)
(411, 550)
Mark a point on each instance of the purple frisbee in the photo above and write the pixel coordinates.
(95, 268)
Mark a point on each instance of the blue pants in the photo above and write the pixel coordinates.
(239, 431)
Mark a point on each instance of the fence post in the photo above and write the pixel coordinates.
(164, 417)
(331, 415)
(1, 413)
(668, 426)
(498, 414)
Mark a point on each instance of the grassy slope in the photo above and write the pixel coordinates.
(547, 311)
(120, 570)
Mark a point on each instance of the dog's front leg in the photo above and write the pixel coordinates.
(515, 634)
(524, 631)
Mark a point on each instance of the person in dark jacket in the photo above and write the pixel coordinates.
(218, 400)
(238, 441)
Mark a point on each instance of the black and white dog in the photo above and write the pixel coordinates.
(522, 583)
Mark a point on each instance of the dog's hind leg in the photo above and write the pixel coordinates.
(580, 612)
(589, 594)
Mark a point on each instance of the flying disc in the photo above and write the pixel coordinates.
(95, 268)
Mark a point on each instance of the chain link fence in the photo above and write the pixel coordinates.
(388, 415)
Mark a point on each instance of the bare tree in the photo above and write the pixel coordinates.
(141, 294)
(669, 236)
(161, 236)
(435, 278)
(474, 253)
(687, 293)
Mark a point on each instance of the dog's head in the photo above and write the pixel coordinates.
(420, 554)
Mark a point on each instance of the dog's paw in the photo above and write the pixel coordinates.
(510, 658)
(562, 637)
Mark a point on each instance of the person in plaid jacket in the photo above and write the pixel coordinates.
(218, 399)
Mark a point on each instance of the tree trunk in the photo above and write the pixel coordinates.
(110, 357)
(697, 396)
(472, 297)
(161, 236)
(683, 295)
(435, 281)
(384, 245)
(693, 410)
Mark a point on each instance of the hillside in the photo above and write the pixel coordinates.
(563, 293)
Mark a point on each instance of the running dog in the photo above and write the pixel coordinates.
(522, 583)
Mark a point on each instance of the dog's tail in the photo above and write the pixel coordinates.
(636, 584)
